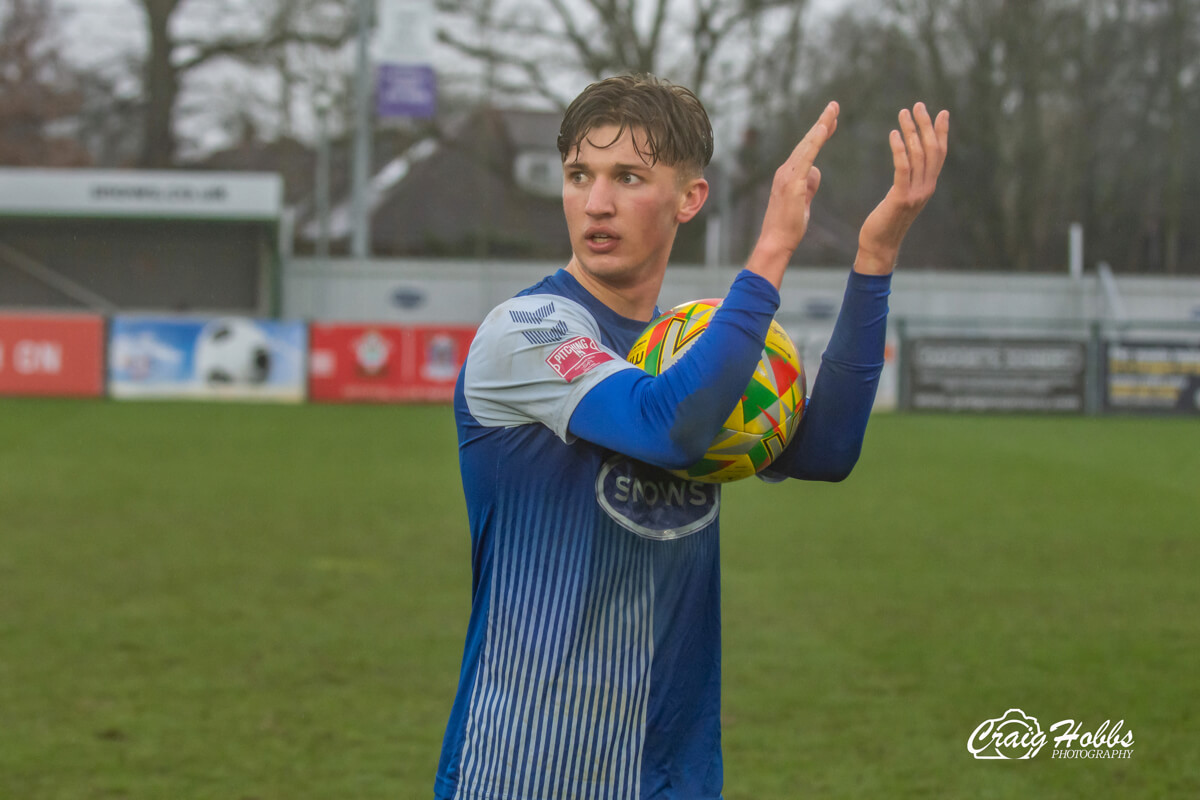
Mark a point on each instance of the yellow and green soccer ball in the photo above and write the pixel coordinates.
(769, 412)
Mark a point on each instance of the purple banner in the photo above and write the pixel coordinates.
(406, 90)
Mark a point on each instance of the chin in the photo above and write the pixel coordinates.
(613, 268)
(611, 271)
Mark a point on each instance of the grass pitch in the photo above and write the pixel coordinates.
(238, 601)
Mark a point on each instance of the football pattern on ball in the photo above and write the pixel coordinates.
(766, 417)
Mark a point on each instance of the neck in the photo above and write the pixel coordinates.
(633, 300)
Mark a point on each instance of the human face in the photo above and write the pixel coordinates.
(622, 212)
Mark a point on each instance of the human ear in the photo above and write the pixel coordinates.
(691, 199)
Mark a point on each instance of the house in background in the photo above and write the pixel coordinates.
(491, 187)
(487, 185)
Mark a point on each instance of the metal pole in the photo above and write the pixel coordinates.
(1075, 250)
(322, 187)
(361, 233)
(1094, 373)
(483, 240)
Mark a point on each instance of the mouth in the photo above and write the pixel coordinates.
(601, 241)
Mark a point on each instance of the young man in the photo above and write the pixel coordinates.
(592, 659)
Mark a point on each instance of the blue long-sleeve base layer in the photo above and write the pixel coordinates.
(669, 420)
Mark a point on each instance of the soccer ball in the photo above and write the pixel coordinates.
(233, 351)
(764, 420)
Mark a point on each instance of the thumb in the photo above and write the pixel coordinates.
(814, 181)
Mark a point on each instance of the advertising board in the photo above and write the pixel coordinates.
(1161, 377)
(994, 374)
(52, 355)
(220, 358)
(385, 363)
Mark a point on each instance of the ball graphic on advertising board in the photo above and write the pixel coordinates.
(234, 351)
(767, 415)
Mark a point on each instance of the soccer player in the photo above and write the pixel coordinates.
(592, 665)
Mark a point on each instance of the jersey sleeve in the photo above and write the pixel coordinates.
(829, 441)
(532, 360)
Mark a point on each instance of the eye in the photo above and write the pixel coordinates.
(576, 177)
(629, 179)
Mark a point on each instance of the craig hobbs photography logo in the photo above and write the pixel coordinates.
(1016, 736)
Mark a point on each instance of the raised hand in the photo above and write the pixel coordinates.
(796, 182)
(918, 153)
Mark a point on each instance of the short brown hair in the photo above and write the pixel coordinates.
(674, 125)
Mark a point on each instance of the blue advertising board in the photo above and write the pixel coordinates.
(220, 358)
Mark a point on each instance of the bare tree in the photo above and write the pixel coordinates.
(998, 66)
(1177, 33)
(39, 92)
(277, 37)
(1064, 111)
(540, 47)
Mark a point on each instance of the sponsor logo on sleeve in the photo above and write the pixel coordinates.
(576, 357)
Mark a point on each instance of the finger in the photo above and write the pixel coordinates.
(805, 153)
(912, 140)
(903, 174)
(934, 137)
(941, 128)
(818, 134)
(832, 122)
(814, 182)
(828, 118)
(929, 143)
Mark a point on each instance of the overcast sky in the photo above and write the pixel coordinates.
(99, 33)
(102, 29)
(99, 30)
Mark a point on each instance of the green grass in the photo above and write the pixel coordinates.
(238, 601)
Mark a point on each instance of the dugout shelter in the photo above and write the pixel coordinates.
(139, 240)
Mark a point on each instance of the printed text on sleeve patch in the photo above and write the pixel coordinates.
(576, 357)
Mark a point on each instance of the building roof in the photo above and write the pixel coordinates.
(463, 196)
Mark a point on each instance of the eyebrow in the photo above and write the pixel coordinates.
(618, 167)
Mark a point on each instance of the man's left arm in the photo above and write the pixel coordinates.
(830, 437)
(829, 440)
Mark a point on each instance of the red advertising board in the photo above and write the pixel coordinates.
(51, 355)
(385, 363)
(438, 355)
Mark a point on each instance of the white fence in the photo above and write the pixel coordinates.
(441, 291)
(924, 303)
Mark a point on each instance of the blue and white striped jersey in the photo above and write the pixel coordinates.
(592, 661)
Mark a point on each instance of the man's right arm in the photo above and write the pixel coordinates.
(540, 359)
(669, 420)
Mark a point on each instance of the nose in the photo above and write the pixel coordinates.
(600, 199)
